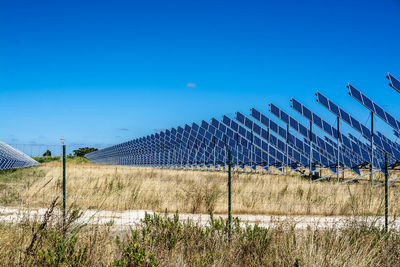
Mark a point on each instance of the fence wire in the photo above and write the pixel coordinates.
(118, 195)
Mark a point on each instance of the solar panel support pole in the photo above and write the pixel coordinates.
(251, 153)
(181, 155)
(386, 192)
(310, 150)
(214, 154)
(372, 149)
(338, 155)
(188, 158)
(204, 155)
(287, 148)
(268, 150)
(237, 153)
(204, 152)
(175, 156)
(225, 154)
(229, 194)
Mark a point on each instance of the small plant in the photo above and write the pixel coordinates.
(211, 196)
(300, 192)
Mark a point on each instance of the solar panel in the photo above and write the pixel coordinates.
(355, 124)
(256, 155)
(332, 131)
(238, 144)
(267, 150)
(298, 155)
(298, 144)
(394, 83)
(258, 141)
(320, 143)
(11, 158)
(393, 144)
(368, 103)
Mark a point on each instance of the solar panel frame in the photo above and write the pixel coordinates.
(303, 148)
(319, 143)
(331, 131)
(394, 83)
(369, 104)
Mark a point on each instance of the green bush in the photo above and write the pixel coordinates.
(69, 158)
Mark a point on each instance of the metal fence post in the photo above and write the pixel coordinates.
(338, 149)
(229, 194)
(386, 192)
(371, 178)
(63, 177)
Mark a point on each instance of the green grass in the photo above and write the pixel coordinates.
(16, 176)
(68, 158)
(14, 182)
(46, 159)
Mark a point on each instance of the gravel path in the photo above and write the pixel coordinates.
(133, 217)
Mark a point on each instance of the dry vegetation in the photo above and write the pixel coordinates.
(163, 241)
(127, 188)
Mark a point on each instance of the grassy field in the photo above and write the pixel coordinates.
(165, 241)
(162, 241)
(122, 188)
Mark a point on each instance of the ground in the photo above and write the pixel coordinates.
(282, 220)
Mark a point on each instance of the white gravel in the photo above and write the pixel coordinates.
(133, 218)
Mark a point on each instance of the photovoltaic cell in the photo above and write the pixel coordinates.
(261, 149)
(293, 155)
(394, 83)
(355, 124)
(368, 103)
(330, 130)
(11, 158)
(297, 143)
(320, 143)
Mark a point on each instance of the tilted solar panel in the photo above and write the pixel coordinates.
(294, 154)
(355, 124)
(369, 104)
(11, 158)
(320, 143)
(330, 130)
(394, 83)
(268, 153)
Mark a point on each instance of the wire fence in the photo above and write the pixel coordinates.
(119, 194)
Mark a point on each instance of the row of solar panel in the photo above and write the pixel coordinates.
(220, 140)
(208, 143)
(11, 158)
(237, 139)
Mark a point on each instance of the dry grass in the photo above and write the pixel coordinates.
(169, 242)
(160, 241)
(123, 188)
(49, 242)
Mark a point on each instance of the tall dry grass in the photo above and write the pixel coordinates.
(166, 241)
(190, 191)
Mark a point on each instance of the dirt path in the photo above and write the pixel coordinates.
(133, 217)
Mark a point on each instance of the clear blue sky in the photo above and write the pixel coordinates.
(104, 72)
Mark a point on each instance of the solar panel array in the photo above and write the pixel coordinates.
(394, 83)
(11, 158)
(258, 142)
(369, 104)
